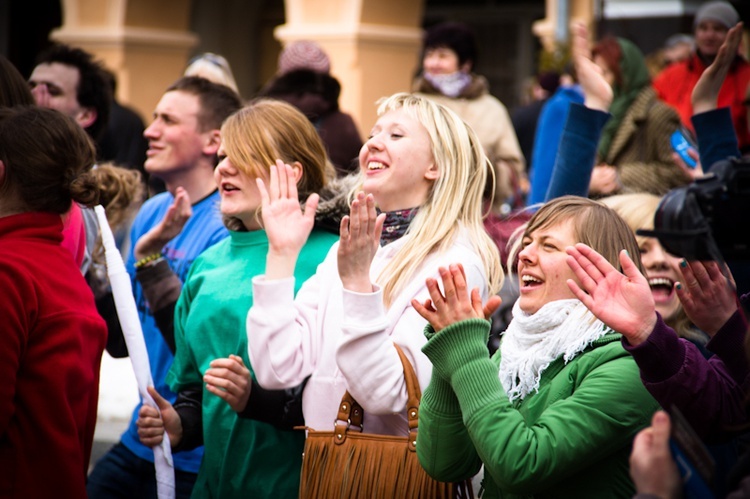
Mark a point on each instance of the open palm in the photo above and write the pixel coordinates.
(622, 301)
(286, 224)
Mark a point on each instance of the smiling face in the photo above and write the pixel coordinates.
(542, 268)
(662, 271)
(397, 162)
(240, 197)
(440, 61)
(709, 35)
(175, 142)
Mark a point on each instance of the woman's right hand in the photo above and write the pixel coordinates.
(621, 301)
(287, 225)
(170, 226)
(456, 305)
(709, 295)
(706, 91)
(597, 92)
(151, 425)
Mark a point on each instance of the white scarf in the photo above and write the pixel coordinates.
(450, 85)
(531, 342)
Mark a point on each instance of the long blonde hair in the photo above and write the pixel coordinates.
(453, 202)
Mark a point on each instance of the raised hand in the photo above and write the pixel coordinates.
(170, 226)
(457, 304)
(359, 241)
(622, 301)
(597, 92)
(152, 425)
(706, 91)
(229, 379)
(652, 467)
(693, 173)
(286, 224)
(604, 180)
(708, 294)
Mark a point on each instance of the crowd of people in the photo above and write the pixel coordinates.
(276, 259)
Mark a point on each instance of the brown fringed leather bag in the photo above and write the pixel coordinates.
(346, 463)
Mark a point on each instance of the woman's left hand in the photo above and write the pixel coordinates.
(604, 180)
(229, 379)
(709, 296)
(622, 301)
(360, 240)
(442, 311)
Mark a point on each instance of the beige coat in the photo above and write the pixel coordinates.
(490, 120)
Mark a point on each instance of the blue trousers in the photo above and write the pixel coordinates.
(122, 474)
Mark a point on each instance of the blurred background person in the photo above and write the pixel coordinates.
(304, 80)
(675, 84)
(449, 52)
(635, 152)
(525, 117)
(212, 67)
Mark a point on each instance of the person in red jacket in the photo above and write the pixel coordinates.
(675, 84)
(51, 336)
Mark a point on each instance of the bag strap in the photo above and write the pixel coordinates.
(351, 415)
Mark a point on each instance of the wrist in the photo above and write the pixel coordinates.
(145, 249)
(643, 332)
(358, 285)
(280, 265)
(148, 260)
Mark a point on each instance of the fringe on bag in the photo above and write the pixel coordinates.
(346, 463)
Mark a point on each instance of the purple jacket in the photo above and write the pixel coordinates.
(711, 393)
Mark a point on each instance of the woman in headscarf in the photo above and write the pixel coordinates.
(635, 154)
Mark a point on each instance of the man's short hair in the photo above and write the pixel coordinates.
(94, 90)
(217, 101)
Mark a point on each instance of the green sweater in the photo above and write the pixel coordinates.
(243, 457)
(570, 439)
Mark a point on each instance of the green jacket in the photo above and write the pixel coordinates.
(570, 439)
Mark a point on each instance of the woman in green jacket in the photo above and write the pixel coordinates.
(554, 411)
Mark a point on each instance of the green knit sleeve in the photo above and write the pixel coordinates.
(588, 411)
(444, 447)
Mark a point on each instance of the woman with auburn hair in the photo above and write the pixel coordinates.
(52, 336)
(425, 170)
(257, 453)
(554, 411)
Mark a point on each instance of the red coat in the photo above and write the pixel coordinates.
(51, 344)
(675, 86)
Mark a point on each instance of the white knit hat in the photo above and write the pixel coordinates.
(721, 12)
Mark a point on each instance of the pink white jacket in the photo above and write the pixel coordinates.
(312, 335)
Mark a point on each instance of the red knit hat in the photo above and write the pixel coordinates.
(303, 54)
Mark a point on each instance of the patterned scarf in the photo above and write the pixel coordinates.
(396, 223)
(531, 342)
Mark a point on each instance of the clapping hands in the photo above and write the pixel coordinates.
(457, 304)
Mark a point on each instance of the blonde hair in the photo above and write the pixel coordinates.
(212, 67)
(453, 202)
(638, 210)
(266, 130)
(595, 224)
